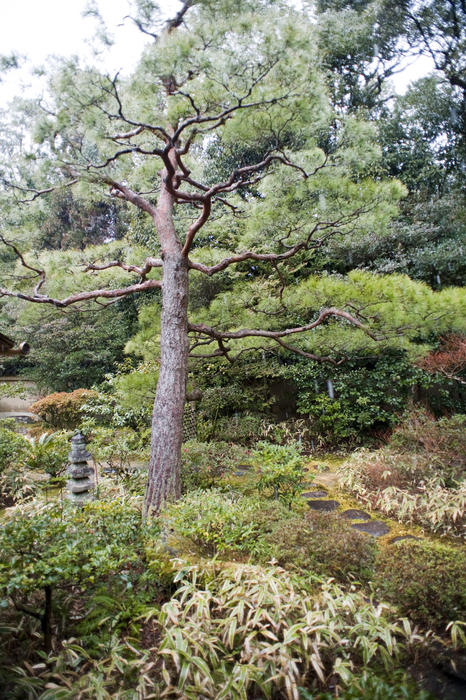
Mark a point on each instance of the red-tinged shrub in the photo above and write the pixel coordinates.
(449, 360)
(63, 409)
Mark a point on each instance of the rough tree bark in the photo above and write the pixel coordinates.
(163, 482)
(167, 420)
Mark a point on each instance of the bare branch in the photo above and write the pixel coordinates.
(84, 296)
(222, 116)
(117, 189)
(149, 263)
(278, 335)
(194, 228)
(37, 193)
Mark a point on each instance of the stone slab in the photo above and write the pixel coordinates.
(400, 538)
(323, 506)
(355, 514)
(376, 528)
(315, 494)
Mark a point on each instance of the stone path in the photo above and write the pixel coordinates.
(317, 500)
(363, 521)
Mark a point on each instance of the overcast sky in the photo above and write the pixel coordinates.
(39, 28)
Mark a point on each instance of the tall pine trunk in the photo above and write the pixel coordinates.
(164, 482)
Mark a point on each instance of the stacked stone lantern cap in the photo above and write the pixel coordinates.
(81, 481)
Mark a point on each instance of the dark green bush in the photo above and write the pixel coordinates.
(203, 464)
(13, 446)
(242, 429)
(426, 581)
(369, 394)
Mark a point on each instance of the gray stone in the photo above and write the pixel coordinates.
(78, 449)
(80, 471)
(315, 494)
(243, 467)
(323, 506)
(400, 538)
(355, 514)
(81, 476)
(376, 528)
(80, 485)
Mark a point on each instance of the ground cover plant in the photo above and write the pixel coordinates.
(232, 590)
(426, 580)
(419, 477)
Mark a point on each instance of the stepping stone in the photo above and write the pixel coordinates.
(244, 467)
(238, 473)
(400, 538)
(376, 528)
(355, 514)
(315, 494)
(323, 506)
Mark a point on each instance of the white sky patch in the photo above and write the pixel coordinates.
(38, 29)
(415, 68)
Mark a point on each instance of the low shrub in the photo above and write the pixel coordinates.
(116, 448)
(443, 442)
(281, 470)
(426, 581)
(410, 487)
(49, 551)
(325, 545)
(105, 407)
(63, 409)
(216, 522)
(229, 524)
(15, 482)
(48, 453)
(13, 446)
(203, 464)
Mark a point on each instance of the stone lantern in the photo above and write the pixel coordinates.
(81, 481)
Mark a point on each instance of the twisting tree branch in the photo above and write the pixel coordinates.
(149, 263)
(36, 192)
(277, 336)
(83, 296)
